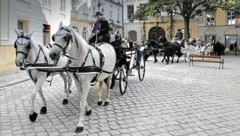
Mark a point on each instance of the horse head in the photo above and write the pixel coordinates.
(22, 46)
(62, 39)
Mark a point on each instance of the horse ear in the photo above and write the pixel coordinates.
(60, 25)
(16, 32)
(31, 34)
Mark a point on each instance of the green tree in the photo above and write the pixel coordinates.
(228, 4)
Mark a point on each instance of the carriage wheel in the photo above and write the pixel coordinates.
(141, 69)
(123, 79)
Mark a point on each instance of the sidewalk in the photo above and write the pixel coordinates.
(13, 78)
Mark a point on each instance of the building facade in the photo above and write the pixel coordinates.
(39, 16)
(83, 15)
(153, 27)
(220, 25)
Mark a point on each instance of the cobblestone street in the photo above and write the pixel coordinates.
(172, 100)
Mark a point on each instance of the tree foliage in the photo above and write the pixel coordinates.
(228, 4)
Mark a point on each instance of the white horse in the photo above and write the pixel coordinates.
(207, 49)
(27, 50)
(97, 62)
(189, 49)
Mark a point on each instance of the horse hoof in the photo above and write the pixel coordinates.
(33, 117)
(43, 110)
(99, 103)
(69, 91)
(79, 129)
(88, 113)
(106, 103)
(65, 101)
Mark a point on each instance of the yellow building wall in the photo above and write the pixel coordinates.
(220, 17)
(178, 24)
(7, 59)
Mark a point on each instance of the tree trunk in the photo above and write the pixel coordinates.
(171, 25)
(186, 27)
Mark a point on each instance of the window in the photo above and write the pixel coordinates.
(74, 5)
(231, 18)
(231, 42)
(110, 11)
(133, 35)
(130, 11)
(210, 18)
(63, 5)
(118, 15)
(94, 10)
(23, 25)
(46, 3)
(210, 38)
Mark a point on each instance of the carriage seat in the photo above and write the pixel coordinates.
(115, 40)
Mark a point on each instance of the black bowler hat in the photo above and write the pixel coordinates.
(98, 13)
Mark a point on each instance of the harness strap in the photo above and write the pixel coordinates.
(75, 75)
(40, 50)
(21, 52)
(31, 76)
(59, 46)
(69, 57)
(85, 58)
(92, 58)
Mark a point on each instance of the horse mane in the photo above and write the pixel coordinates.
(45, 49)
(78, 39)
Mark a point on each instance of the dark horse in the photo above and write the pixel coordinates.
(218, 48)
(155, 47)
(171, 49)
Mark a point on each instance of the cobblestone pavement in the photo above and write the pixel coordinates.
(172, 100)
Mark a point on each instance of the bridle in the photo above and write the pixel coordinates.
(28, 45)
(27, 52)
(67, 38)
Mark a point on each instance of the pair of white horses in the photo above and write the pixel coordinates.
(189, 49)
(69, 43)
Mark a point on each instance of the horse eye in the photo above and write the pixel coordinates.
(66, 38)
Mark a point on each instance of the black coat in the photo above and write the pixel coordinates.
(103, 35)
(104, 27)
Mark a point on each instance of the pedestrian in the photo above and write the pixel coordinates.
(179, 35)
(100, 30)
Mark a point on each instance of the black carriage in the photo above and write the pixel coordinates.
(128, 58)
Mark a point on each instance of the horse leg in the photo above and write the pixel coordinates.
(178, 59)
(69, 77)
(185, 57)
(167, 59)
(33, 115)
(108, 90)
(172, 58)
(99, 93)
(85, 87)
(65, 101)
(164, 58)
(155, 56)
(44, 107)
(88, 109)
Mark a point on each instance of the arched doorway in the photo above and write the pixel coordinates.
(155, 33)
(133, 35)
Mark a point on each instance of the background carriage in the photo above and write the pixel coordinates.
(128, 57)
